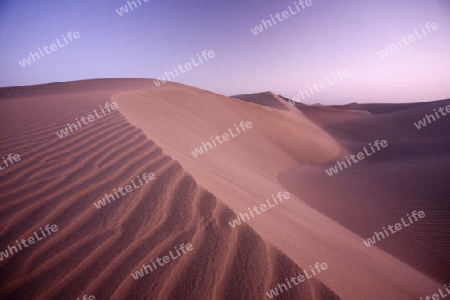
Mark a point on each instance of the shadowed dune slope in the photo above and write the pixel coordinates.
(95, 250)
(242, 172)
(410, 174)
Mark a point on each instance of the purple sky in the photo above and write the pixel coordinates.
(299, 51)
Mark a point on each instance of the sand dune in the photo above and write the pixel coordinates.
(193, 199)
(376, 108)
(243, 173)
(96, 250)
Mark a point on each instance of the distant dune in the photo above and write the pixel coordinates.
(377, 108)
(266, 99)
(193, 199)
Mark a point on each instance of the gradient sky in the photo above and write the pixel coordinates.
(286, 58)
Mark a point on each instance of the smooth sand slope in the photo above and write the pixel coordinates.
(95, 250)
(243, 172)
(412, 173)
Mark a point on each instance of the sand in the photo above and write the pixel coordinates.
(192, 198)
(410, 174)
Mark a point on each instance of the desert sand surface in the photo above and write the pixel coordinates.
(410, 174)
(193, 199)
(95, 250)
